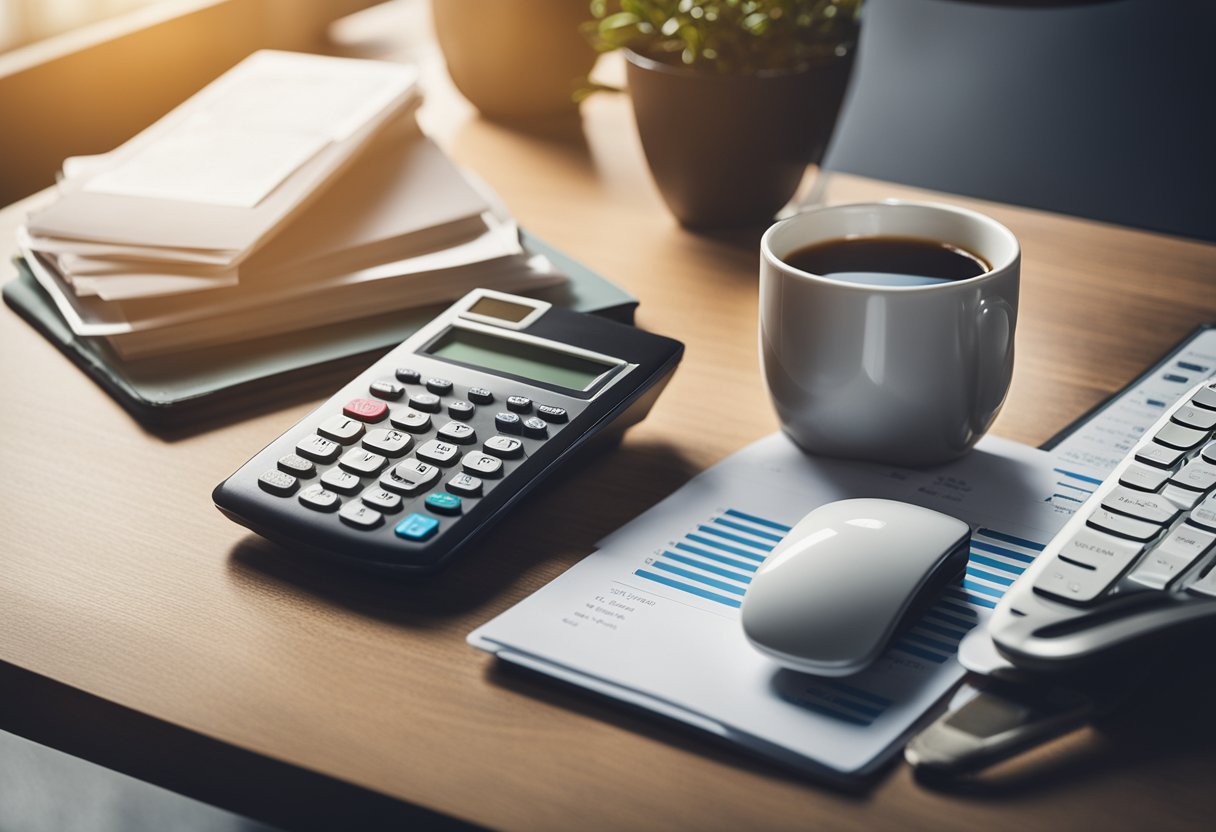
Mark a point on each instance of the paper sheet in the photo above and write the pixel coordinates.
(652, 616)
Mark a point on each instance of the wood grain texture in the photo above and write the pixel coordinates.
(118, 577)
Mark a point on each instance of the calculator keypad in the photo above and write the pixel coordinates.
(432, 469)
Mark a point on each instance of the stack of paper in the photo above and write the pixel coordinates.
(294, 191)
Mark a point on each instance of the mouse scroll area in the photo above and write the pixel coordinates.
(843, 582)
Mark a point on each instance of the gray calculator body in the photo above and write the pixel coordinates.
(428, 447)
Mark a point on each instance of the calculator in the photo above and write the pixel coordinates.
(436, 441)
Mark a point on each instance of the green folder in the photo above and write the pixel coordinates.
(238, 378)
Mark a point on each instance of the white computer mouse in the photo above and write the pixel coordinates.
(831, 595)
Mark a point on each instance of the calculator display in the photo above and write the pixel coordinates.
(528, 361)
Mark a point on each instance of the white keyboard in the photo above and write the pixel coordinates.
(1135, 562)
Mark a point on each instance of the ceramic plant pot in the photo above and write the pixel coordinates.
(515, 58)
(730, 150)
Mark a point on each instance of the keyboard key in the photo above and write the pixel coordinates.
(1195, 417)
(1205, 397)
(519, 404)
(536, 428)
(466, 485)
(1174, 435)
(365, 410)
(382, 500)
(1197, 475)
(390, 390)
(442, 502)
(508, 423)
(460, 409)
(360, 516)
(504, 447)
(1143, 478)
(408, 375)
(1130, 527)
(425, 401)
(341, 481)
(1150, 507)
(439, 386)
(1159, 456)
(409, 477)
(481, 395)
(297, 466)
(457, 432)
(278, 483)
(1185, 545)
(1209, 452)
(341, 429)
(1102, 552)
(417, 528)
(482, 465)
(388, 442)
(361, 462)
(1184, 498)
(1071, 583)
(439, 453)
(319, 498)
(1204, 514)
(415, 421)
(318, 448)
(556, 415)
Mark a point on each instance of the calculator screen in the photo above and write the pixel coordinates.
(529, 361)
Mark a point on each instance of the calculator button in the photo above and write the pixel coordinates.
(1150, 507)
(386, 390)
(465, 485)
(1158, 455)
(425, 401)
(1195, 417)
(1197, 475)
(318, 449)
(415, 421)
(1185, 545)
(407, 375)
(341, 481)
(417, 527)
(1143, 478)
(480, 395)
(388, 442)
(409, 477)
(360, 516)
(457, 432)
(508, 423)
(361, 462)
(319, 498)
(442, 502)
(504, 447)
(440, 453)
(1178, 436)
(439, 386)
(1108, 521)
(341, 429)
(382, 500)
(460, 409)
(520, 404)
(1205, 397)
(482, 465)
(365, 410)
(296, 465)
(536, 428)
(551, 414)
(278, 483)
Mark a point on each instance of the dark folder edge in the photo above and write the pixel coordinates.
(185, 387)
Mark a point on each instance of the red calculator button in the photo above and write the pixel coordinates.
(366, 410)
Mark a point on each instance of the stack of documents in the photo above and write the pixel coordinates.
(293, 192)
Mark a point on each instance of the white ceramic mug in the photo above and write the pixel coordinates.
(908, 375)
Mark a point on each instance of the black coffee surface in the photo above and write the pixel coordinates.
(910, 261)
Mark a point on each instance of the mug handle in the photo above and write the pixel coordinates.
(994, 319)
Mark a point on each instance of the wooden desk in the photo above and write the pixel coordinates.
(119, 579)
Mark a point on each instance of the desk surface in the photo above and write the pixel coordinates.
(119, 578)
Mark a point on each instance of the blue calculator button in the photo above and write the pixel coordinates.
(417, 527)
(441, 502)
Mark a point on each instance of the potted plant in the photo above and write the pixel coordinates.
(733, 98)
